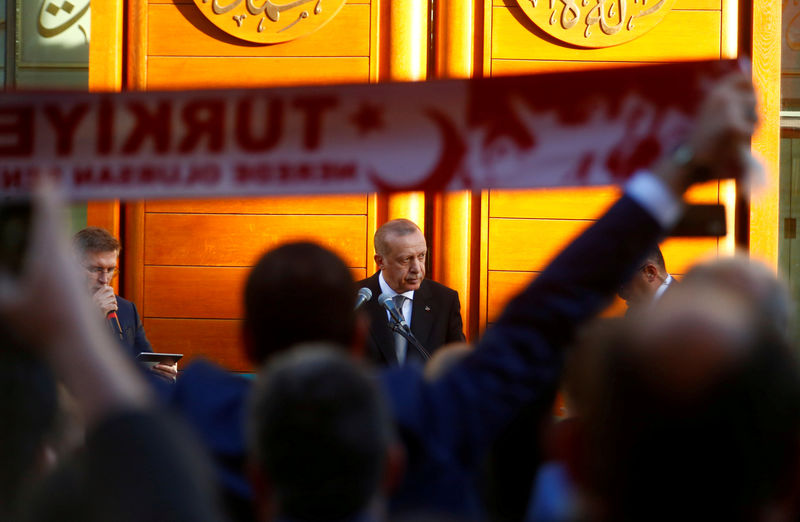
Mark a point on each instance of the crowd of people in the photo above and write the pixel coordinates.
(688, 408)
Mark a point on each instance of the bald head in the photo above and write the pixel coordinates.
(694, 410)
(390, 230)
(767, 295)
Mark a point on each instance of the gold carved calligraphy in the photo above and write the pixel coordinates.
(268, 21)
(595, 23)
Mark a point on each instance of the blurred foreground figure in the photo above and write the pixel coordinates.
(28, 407)
(321, 437)
(296, 293)
(753, 282)
(137, 465)
(694, 412)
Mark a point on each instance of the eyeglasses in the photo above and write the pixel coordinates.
(99, 270)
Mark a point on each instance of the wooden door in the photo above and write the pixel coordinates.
(544, 221)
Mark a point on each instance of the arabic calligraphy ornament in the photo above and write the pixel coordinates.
(268, 21)
(56, 16)
(596, 23)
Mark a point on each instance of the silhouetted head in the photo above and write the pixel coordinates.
(692, 412)
(320, 435)
(767, 295)
(640, 289)
(299, 292)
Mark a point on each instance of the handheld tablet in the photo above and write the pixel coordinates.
(159, 358)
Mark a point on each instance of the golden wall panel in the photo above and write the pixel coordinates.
(502, 286)
(238, 240)
(529, 244)
(684, 35)
(511, 67)
(679, 4)
(200, 292)
(194, 291)
(587, 203)
(337, 204)
(179, 72)
(182, 30)
(214, 339)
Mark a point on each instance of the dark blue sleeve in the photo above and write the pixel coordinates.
(140, 343)
(519, 359)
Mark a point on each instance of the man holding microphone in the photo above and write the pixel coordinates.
(98, 253)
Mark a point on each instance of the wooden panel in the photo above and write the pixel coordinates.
(133, 253)
(407, 23)
(681, 253)
(234, 240)
(190, 2)
(136, 45)
(199, 292)
(693, 34)
(105, 56)
(679, 4)
(340, 204)
(103, 214)
(217, 340)
(505, 285)
(511, 246)
(194, 292)
(529, 244)
(584, 203)
(511, 67)
(502, 286)
(705, 193)
(588, 203)
(198, 73)
(182, 30)
(763, 233)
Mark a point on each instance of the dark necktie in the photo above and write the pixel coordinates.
(400, 343)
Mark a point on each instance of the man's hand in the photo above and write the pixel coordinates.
(719, 145)
(105, 299)
(167, 371)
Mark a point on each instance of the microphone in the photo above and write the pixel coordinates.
(386, 301)
(113, 315)
(364, 295)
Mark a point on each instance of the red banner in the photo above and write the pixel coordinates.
(579, 128)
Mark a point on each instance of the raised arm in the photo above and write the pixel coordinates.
(519, 358)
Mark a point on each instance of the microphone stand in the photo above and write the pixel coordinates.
(411, 339)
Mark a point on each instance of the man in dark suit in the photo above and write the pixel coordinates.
(648, 284)
(98, 251)
(432, 311)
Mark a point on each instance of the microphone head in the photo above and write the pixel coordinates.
(366, 293)
(385, 300)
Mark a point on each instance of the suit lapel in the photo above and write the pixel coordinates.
(382, 335)
(422, 314)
